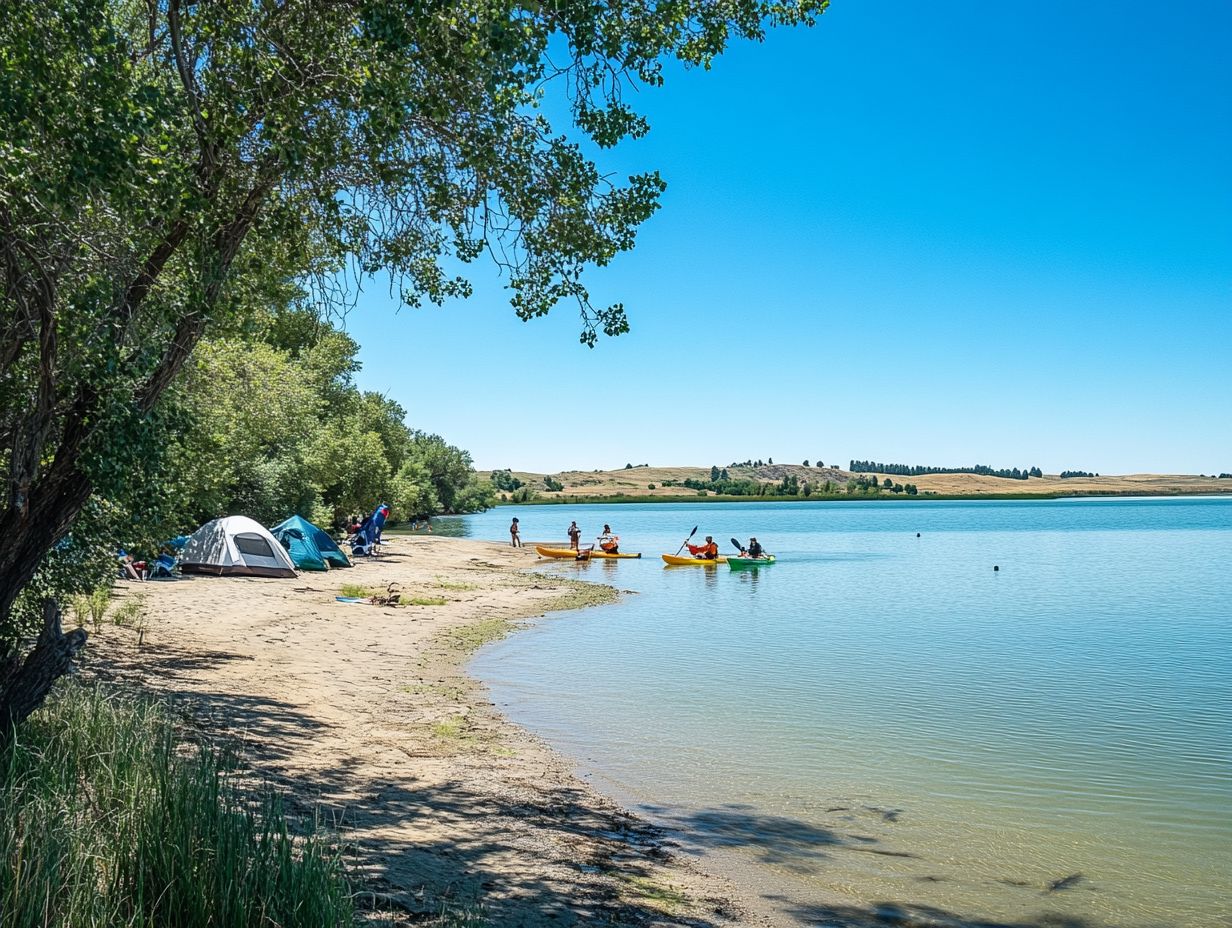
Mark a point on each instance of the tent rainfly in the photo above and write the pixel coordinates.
(310, 548)
(235, 546)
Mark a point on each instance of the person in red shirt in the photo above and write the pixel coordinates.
(707, 552)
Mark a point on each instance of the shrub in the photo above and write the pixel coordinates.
(650, 486)
(131, 612)
(92, 606)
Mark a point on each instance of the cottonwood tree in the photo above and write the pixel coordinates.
(158, 156)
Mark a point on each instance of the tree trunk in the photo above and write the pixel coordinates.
(24, 684)
(28, 535)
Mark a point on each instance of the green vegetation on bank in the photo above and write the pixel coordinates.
(266, 421)
(109, 820)
(270, 422)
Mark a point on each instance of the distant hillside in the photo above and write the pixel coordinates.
(667, 482)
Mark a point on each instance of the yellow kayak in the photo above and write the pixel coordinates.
(677, 561)
(570, 553)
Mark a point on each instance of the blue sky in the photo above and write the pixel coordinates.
(937, 234)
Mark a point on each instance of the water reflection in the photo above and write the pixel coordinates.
(749, 577)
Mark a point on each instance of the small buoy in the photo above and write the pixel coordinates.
(995, 567)
(917, 534)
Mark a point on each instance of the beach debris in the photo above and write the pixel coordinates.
(392, 597)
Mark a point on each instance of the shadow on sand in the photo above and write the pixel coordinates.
(525, 853)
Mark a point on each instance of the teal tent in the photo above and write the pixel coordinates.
(310, 547)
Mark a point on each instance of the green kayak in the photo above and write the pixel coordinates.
(738, 562)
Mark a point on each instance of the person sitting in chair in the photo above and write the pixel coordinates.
(128, 567)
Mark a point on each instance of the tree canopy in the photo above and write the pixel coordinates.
(167, 166)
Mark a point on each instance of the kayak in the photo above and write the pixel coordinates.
(673, 560)
(735, 562)
(570, 553)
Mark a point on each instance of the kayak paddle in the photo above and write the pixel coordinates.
(686, 541)
(739, 546)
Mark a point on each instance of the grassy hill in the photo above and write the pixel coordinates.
(665, 482)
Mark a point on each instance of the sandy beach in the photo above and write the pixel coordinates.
(366, 713)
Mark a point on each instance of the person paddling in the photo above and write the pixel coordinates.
(752, 550)
(707, 552)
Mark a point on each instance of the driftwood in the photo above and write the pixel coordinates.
(25, 683)
(392, 597)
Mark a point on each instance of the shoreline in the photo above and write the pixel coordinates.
(368, 715)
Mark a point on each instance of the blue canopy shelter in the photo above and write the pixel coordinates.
(310, 548)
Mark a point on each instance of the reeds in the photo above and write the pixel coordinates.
(107, 819)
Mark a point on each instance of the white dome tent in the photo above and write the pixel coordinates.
(235, 546)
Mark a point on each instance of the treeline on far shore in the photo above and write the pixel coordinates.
(918, 470)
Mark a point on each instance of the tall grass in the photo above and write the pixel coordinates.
(108, 820)
(92, 606)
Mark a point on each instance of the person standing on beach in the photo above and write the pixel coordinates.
(514, 539)
(575, 533)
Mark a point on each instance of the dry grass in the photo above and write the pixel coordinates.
(1162, 484)
(636, 481)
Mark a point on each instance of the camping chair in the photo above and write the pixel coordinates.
(163, 566)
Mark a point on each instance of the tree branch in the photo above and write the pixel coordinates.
(191, 326)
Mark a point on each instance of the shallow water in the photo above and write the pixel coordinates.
(881, 723)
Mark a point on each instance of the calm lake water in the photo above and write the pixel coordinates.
(881, 723)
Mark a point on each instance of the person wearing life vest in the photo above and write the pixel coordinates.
(707, 552)
(609, 542)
